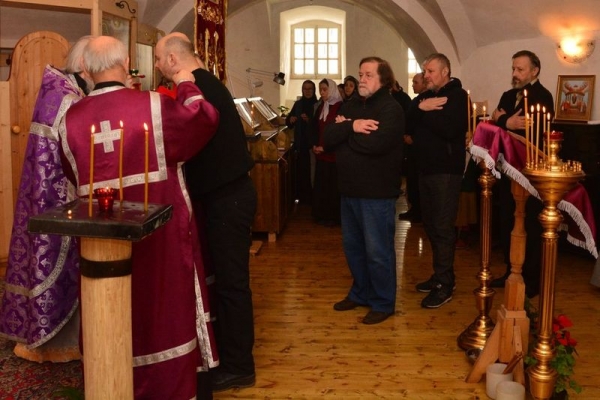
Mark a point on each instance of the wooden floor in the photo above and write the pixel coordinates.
(306, 350)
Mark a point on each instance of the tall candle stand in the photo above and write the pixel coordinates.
(476, 334)
(552, 178)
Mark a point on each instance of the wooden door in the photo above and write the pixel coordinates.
(31, 55)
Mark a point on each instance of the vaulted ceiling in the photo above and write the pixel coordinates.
(463, 24)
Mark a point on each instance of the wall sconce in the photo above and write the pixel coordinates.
(278, 77)
(122, 6)
(575, 51)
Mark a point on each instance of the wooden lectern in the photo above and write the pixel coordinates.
(105, 285)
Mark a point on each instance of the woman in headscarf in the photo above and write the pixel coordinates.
(350, 88)
(326, 197)
(298, 118)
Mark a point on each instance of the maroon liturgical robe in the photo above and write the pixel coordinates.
(172, 332)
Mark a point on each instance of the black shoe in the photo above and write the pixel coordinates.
(438, 296)
(225, 381)
(500, 282)
(375, 317)
(429, 285)
(345, 305)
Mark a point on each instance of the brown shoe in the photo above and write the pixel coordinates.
(345, 305)
(375, 317)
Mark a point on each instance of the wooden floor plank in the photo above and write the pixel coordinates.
(306, 350)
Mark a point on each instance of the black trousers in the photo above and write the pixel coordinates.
(229, 215)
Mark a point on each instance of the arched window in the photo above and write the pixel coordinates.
(316, 50)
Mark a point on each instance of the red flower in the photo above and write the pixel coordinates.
(563, 321)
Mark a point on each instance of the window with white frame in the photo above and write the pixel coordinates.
(413, 69)
(316, 50)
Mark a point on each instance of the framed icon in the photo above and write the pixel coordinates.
(574, 96)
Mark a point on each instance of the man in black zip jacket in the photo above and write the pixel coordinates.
(367, 139)
(438, 119)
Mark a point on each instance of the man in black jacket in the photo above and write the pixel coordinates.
(367, 139)
(510, 115)
(438, 122)
(218, 179)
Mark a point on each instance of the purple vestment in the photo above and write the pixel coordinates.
(42, 277)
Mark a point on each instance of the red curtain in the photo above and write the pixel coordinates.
(210, 35)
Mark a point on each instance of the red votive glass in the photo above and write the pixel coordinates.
(106, 198)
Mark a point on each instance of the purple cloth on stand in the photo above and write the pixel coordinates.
(506, 152)
(42, 276)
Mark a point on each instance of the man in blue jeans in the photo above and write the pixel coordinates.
(438, 119)
(367, 139)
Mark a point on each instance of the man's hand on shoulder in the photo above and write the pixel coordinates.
(183, 76)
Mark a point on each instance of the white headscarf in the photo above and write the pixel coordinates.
(334, 97)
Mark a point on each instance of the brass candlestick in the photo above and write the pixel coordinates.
(553, 179)
(476, 334)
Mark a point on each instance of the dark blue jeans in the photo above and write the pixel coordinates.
(439, 206)
(368, 228)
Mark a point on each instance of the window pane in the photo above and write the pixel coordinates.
(298, 51)
(299, 67)
(322, 51)
(309, 51)
(322, 67)
(298, 35)
(333, 67)
(333, 51)
(309, 66)
(322, 35)
(333, 35)
(310, 35)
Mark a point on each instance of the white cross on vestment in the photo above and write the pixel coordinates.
(107, 136)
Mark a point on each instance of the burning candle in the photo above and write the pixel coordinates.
(106, 198)
(91, 170)
(527, 135)
(121, 165)
(544, 119)
(484, 113)
(531, 131)
(537, 134)
(548, 135)
(146, 167)
(468, 110)
(474, 116)
(525, 99)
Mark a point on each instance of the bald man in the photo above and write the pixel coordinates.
(219, 182)
(172, 332)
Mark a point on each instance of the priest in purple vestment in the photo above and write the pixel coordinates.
(40, 307)
(172, 331)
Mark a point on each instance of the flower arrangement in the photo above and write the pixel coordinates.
(564, 347)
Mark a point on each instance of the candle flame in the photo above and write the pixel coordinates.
(145, 127)
(544, 109)
(93, 129)
(525, 93)
(532, 109)
(121, 123)
(538, 107)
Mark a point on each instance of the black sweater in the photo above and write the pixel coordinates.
(439, 135)
(225, 158)
(368, 165)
